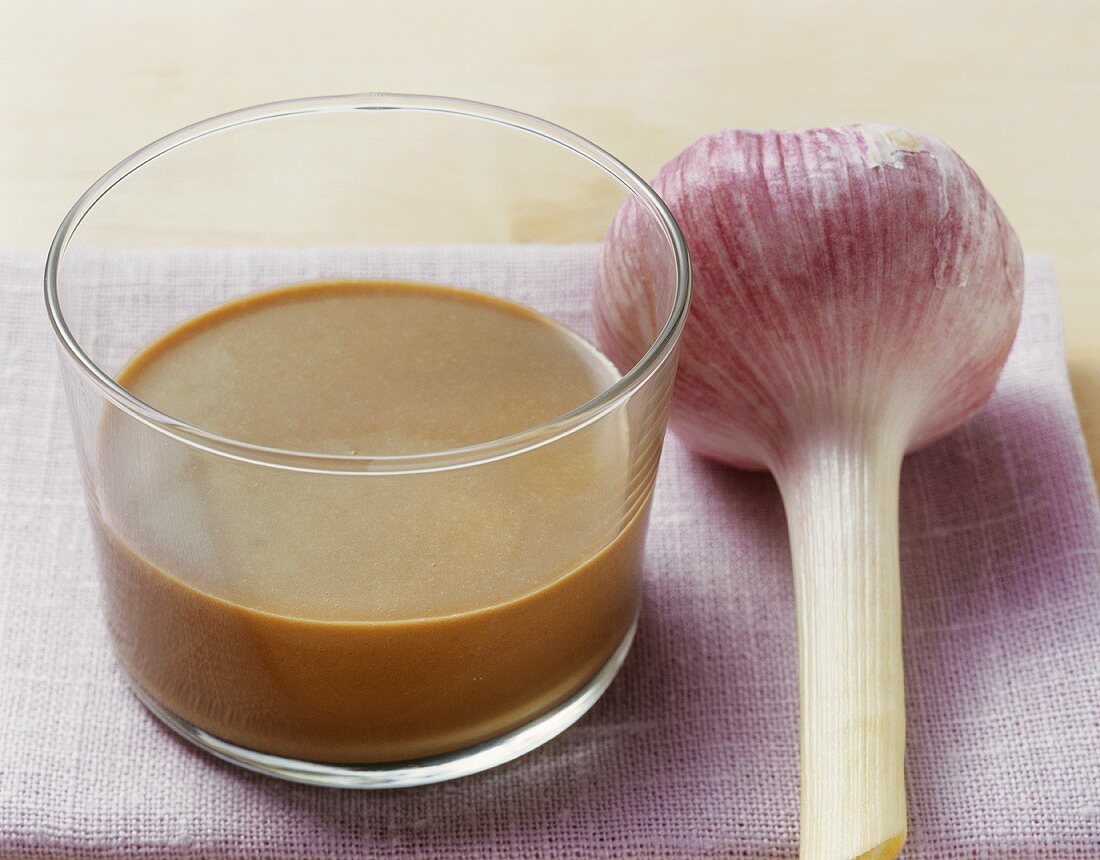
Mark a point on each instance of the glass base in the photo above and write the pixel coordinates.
(402, 774)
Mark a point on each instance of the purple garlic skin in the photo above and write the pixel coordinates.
(850, 273)
(856, 293)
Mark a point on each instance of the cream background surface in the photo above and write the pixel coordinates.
(1012, 85)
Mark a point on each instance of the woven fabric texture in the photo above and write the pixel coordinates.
(693, 751)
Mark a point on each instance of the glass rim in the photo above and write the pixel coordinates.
(432, 461)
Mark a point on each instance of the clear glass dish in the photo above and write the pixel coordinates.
(375, 186)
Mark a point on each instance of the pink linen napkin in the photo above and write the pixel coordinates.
(694, 750)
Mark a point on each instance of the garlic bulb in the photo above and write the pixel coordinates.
(856, 293)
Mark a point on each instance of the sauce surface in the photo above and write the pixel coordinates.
(367, 618)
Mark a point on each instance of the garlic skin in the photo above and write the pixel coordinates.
(857, 268)
(856, 293)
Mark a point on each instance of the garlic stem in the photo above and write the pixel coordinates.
(841, 498)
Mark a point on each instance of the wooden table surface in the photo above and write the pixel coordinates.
(1014, 85)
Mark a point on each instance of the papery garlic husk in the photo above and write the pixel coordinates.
(856, 293)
